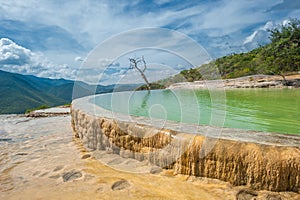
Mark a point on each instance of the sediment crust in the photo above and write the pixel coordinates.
(50, 112)
(254, 81)
(256, 164)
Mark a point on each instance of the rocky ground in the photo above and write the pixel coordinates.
(40, 159)
(255, 81)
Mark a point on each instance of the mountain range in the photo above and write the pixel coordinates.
(21, 92)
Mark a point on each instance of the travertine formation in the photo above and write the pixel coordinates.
(261, 166)
(255, 81)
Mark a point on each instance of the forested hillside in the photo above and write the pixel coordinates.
(279, 57)
(19, 93)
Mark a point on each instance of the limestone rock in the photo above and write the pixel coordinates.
(155, 170)
(246, 195)
(120, 185)
(68, 176)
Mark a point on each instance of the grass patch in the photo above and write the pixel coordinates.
(37, 108)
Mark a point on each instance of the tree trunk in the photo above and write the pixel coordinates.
(284, 79)
(134, 63)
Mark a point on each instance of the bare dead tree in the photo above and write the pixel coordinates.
(135, 63)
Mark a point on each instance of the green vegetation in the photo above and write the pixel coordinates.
(280, 57)
(67, 105)
(191, 75)
(184, 76)
(37, 108)
(20, 93)
(154, 86)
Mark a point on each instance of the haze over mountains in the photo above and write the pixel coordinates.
(21, 92)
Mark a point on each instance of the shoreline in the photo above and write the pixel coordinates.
(254, 81)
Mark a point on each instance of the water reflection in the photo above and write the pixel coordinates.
(145, 99)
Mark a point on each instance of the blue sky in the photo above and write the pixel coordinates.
(51, 38)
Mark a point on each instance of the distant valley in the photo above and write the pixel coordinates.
(21, 92)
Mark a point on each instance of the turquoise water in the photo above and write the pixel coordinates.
(269, 110)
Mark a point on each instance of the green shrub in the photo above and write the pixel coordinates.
(37, 108)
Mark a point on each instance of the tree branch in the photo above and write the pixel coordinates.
(134, 64)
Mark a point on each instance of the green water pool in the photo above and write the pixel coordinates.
(269, 110)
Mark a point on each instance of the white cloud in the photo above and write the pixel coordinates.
(269, 25)
(17, 59)
(78, 59)
(285, 22)
(96, 21)
(13, 54)
(225, 23)
(259, 36)
(250, 38)
(231, 16)
(160, 47)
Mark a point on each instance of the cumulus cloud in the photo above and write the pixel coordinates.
(261, 35)
(13, 54)
(17, 59)
(220, 26)
(78, 59)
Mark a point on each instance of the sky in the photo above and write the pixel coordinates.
(57, 39)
